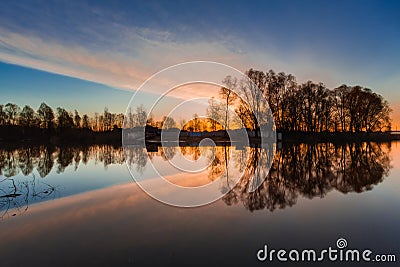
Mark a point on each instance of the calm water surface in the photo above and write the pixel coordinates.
(79, 206)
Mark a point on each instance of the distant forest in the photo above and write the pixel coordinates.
(306, 107)
(46, 118)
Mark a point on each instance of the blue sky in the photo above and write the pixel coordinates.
(78, 54)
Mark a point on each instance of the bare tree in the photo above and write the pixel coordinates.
(214, 113)
(228, 95)
(141, 116)
(168, 123)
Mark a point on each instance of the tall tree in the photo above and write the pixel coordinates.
(228, 95)
(341, 112)
(77, 119)
(46, 116)
(107, 119)
(96, 122)
(11, 111)
(368, 111)
(3, 117)
(214, 111)
(64, 119)
(27, 117)
(85, 122)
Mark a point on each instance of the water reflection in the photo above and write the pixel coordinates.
(300, 170)
(313, 170)
(44, 158)
(22, 171)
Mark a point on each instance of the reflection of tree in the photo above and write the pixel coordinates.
(167, 152)
(45, 161)
(10, 164)
(26, 160)
(64, 159)
(18, 183)
(362, 167)
(44, 158)
(217, 156)
(299, 170)
(136, 156)
(217, 164)
(310, 170)
(193, 151)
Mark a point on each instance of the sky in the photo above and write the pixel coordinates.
(89, 54)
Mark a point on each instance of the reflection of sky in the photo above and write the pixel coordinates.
(121, 224)
(87, 177)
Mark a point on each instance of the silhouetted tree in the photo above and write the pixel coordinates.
(368, 111)
(312, 107)
(315, 111)
(77, 119)
(96, 122)
(308, 107)
(2, 115)
(64, 119)
(85, 122)
(228, 95)
(46, 116)
(27, 117)
(11, 110)
(341, 110)
(253, 107)
(107, 120)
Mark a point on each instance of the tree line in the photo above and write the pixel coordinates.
(46, 118)
(295, 107)
(304, 107)
(312, 107)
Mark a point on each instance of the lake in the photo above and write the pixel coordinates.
(80, 206)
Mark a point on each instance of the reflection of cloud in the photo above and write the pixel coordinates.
(88, 229)
(94, 205)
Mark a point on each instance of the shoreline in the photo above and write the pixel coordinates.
(20, 137)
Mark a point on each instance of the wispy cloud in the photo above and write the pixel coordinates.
(106, 46)
(113, 47)
(140, 53)
(75, 61)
